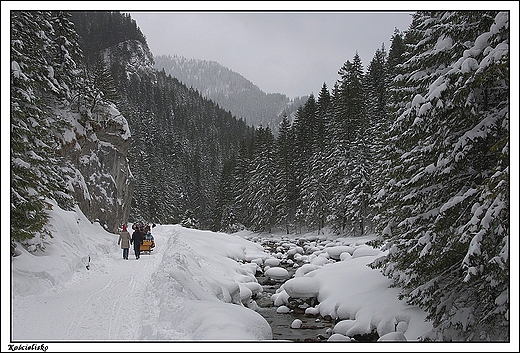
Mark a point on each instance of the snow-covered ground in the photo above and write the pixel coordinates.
(195, 286)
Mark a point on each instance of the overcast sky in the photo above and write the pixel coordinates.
(292, 53)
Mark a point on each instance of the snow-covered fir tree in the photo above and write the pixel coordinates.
(261, 187)
(54, 104)
(349, 157)
(286, 189)
(446, 203)
(314, 187)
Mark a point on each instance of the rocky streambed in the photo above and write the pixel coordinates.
(293, 325)
(291, 321)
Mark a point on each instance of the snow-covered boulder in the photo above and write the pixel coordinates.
(272, 262)
(365, 250)
(254, 287)
(336, 251)
(393, 337)
(297, 323)
(282, 309)
(277, 273)
(343, 326)
(336, 337)
(302, 287)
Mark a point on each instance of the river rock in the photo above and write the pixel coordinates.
(282, 309)
(302, 287)
(277, 273)
(297, 323)
(392, 337)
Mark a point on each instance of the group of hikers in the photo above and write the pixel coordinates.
(141, 232)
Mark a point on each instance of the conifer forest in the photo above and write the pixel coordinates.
(411, 145)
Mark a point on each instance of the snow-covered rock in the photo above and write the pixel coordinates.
(282, 309)
(297, 323)
(393, 337)
(277, 273)
(302, 287)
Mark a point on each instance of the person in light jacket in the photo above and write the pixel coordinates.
(124, 241)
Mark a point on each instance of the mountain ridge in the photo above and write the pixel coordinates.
(230, 90)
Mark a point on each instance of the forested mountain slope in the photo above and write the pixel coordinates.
(416, 149)
(180, 140)
(230, 90)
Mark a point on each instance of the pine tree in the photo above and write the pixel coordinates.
(104, 81)
(377, 83)
(43, 71)
(224, 206)
(314, 187)
(241, 178)
(189, 220)
(447, 200)
(286, 188)
(350, 156)
(261, 188)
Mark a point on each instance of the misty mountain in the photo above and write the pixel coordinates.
(230, 90)
(180, 139)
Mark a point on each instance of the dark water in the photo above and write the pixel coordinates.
(313, 329)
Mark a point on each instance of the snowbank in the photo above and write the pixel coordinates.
(350, 291)
(192, 287)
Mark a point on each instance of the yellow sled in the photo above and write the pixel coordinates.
(147, 246)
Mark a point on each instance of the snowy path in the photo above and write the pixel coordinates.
(104, 303)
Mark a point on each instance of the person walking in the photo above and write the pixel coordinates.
(137, 240)
(124, 241)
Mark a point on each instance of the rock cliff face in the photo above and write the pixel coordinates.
(96, 151)
(99, 147)
(132, 56)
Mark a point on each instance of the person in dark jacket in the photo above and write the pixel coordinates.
(137, 240)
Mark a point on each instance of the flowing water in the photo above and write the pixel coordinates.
(313, 328)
